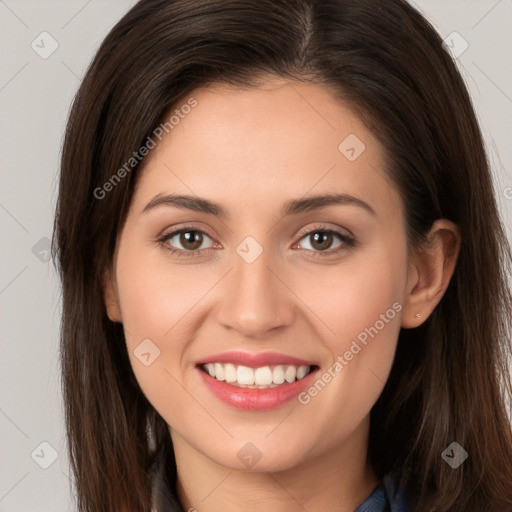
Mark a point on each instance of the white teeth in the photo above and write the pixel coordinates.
(244, 375)
(278, 375)
(219, 371)
(262, 378)
(290, 373)
(229, 372)
(302, 371)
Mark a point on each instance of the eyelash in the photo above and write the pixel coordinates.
(348, 241)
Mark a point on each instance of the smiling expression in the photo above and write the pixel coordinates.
(253, 229)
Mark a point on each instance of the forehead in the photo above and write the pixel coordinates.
(280, 138)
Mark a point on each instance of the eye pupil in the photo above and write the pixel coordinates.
(191, 237)
(321, 240)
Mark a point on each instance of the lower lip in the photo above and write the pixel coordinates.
(256, 399)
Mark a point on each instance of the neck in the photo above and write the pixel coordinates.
(341, 476)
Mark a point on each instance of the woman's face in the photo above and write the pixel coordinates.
(271, 271)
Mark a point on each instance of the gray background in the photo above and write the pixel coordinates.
(35, 96)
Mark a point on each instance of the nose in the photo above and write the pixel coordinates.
(255, 299)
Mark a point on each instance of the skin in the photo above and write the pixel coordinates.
(251, 150)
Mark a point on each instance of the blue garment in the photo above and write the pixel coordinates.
(383, 499)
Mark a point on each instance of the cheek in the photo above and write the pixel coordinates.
(155, 295)
(352, 296)
(157, 302)
(359, 305)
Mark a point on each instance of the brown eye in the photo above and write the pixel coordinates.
(321, 240)
(325, 242)
(186, 240)
(191, 240)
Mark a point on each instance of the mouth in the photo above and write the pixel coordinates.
(262, 377)
(256, 382)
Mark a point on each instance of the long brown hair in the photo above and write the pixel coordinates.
(450, 380)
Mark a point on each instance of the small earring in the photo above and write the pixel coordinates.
(418, 315)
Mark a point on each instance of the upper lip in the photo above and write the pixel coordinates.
(255, 360)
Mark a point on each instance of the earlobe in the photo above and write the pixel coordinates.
(430, 272)
(110, 297)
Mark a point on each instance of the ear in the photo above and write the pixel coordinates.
(110, 297)
(430, 271)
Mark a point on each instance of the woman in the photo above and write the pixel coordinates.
(284, 281)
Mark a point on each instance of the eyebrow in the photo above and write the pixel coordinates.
(292, 207)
